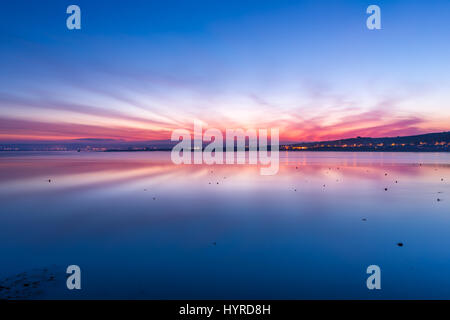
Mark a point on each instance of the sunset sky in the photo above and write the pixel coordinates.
(139, 69)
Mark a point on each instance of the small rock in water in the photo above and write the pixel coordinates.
(438, 199)
(26, 285)
(385, 189)
(364, 219)
(49, 180)
(400, 244)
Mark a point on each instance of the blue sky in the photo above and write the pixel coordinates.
(139, 69)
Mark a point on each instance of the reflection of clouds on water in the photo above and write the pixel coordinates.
(110, 173)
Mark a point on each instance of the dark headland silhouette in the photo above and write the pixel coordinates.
(431, 142)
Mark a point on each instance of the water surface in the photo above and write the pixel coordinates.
(142, 227)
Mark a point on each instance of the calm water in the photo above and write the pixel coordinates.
(141, 227)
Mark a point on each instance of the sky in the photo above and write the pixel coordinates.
(137, 70)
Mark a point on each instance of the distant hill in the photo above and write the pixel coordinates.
(88, 144)
(424, 142)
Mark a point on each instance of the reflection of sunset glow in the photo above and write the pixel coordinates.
(125, 172)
